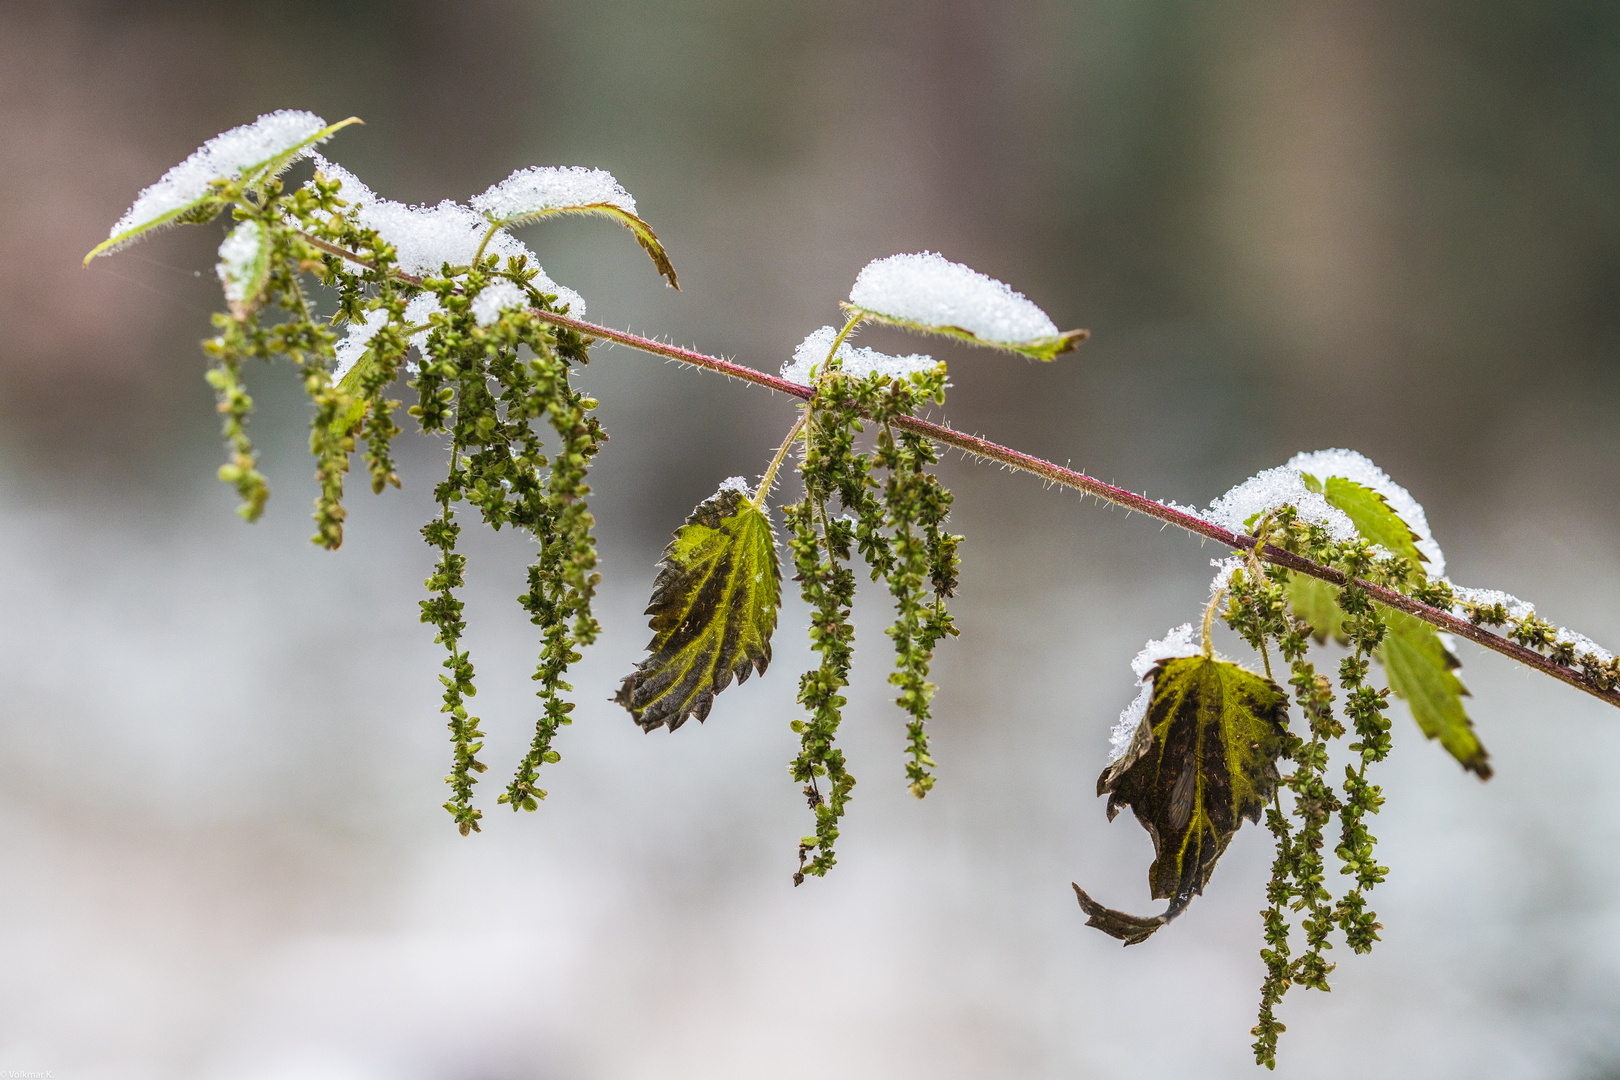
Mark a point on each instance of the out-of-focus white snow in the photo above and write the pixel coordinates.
(238, 256)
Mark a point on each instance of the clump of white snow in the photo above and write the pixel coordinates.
(813, 352)
(929, 289)
(351, 348)
(496, 297)
(1182, 641)
(1584, 646)
(540, 188)
(238, 257)
(224, 156)
(737, 484)
(426, 238)
(1516, 608)
(1272, 489)
(419, 310)
(1350, 465)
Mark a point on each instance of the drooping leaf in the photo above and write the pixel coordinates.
(1042, 348)
(713, 609)
(1422, 672)
(1203, 759)
(642, 231)
(1420, 669)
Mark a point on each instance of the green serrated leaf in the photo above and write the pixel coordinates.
(1203, 759)
(1422, 672)
(1047, 348)
(1370, 514)
(643, 232)
(200, 212)
(713, 610)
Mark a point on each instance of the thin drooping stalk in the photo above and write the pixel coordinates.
(1057, 474)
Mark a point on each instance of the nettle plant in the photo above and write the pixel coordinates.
(1326, 547)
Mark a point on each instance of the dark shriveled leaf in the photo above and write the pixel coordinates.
(713, 610)
(1203, 759)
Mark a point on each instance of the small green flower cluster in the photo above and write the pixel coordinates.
(897, 527)
(486, 383)
(1258, 609)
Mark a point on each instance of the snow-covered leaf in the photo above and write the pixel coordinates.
(929, 294)
(252, 152)
(813, 352)
(538, 192)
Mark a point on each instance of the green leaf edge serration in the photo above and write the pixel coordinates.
(1421, 670)
(713, 608)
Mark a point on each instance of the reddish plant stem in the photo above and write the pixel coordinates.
(1068, 478)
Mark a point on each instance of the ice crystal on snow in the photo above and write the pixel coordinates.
(812, 352)
(224, 156)
(929, 289)
(540, 188)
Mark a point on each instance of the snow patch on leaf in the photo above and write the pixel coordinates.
(241, 263)
(1272, 489)
(351, 348)
(1350, 465)
(930, 290)
(496, 297)
(224, 156)
(540, 188)
(1182, 641)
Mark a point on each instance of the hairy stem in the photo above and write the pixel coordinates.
(1068, 478)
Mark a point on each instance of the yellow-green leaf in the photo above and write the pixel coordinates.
(713, 611)
(642, 231)
(1045, 348)
(1422, 672)
(1203, 759)
(1420, 669)
(1315, 601)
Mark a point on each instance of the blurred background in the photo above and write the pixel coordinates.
(1290, 226)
